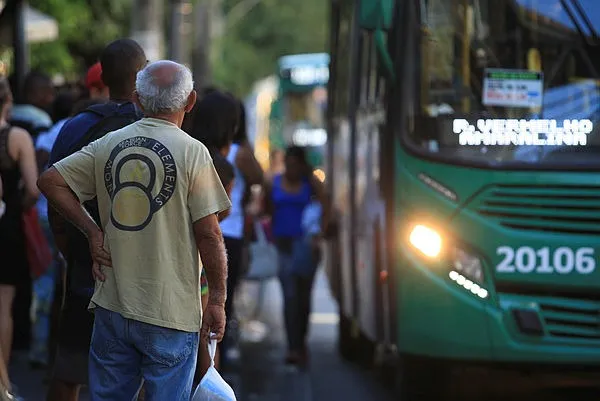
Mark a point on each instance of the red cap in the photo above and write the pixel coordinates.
(94, 77)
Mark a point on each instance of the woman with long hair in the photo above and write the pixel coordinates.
(19, 172)
(247, 172)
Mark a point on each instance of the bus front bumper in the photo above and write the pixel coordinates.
(439, 319)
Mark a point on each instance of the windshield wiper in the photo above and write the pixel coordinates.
(585, 48)
(585, 19)
(575, 4)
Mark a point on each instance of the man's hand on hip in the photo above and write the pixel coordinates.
(213, 321)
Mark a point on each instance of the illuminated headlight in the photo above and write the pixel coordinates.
(468, 285)
(468, 265)
(467, 272)
(426, 240)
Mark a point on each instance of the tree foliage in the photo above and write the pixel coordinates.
(248, 51)
(85, 26)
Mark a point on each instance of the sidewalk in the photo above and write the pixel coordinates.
(262, 375)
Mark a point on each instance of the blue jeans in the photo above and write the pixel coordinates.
(297, 296)
(125, 351)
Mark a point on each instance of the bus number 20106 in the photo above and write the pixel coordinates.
(561, 260)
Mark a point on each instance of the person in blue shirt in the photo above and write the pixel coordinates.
(121, 60)
(291, 201)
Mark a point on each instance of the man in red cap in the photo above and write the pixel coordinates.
(94, 83)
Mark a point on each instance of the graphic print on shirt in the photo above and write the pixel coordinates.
(131, 181)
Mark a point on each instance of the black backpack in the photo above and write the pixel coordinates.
(113, 117)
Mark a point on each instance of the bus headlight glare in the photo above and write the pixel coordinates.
(467, 265)
(426, 240)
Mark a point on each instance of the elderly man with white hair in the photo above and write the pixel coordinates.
(159, 196)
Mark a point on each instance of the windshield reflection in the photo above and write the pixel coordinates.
(566, 12)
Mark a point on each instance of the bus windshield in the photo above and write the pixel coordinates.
(507, 82)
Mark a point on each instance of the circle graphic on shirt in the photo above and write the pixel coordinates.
(131, 182)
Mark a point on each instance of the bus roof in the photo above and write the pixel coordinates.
(295, 60)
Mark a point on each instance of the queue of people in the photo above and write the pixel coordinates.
(146, 188)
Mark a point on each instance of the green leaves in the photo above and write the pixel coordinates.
(85, 26)
(247, 51)
(250, 49)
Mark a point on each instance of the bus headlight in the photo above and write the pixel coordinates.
(468, 265)
(426, 240)
(467, 272)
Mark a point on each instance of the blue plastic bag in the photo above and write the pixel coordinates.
(212, 387)
(304, 260)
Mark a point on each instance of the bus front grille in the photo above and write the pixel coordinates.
(567, 316)
(571, 320)
(567, 209)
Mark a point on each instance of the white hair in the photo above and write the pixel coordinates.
(168, 94)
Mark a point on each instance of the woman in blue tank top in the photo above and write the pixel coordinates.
(290, 195)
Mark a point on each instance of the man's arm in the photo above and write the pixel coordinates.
(60, 196)
(211, 246)
(63, 200)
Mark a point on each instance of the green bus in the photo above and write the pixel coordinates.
(464, 166)
(298, 112)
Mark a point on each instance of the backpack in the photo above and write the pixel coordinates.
(112, 119)
(79, 260)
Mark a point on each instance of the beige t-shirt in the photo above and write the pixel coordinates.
(152, 181)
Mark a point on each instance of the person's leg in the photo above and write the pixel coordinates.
(235, 248)
(70, 356)
(43, 289)
(7, 296)
(21, 338)
(63, 391)
(289, 290)
(4, 380)
(69, 372)
(305, 285)
(234, 259)
(57, 304)
(44, 293)
(168, 361)
(115, 362)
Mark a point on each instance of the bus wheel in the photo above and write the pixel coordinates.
(418, 379)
